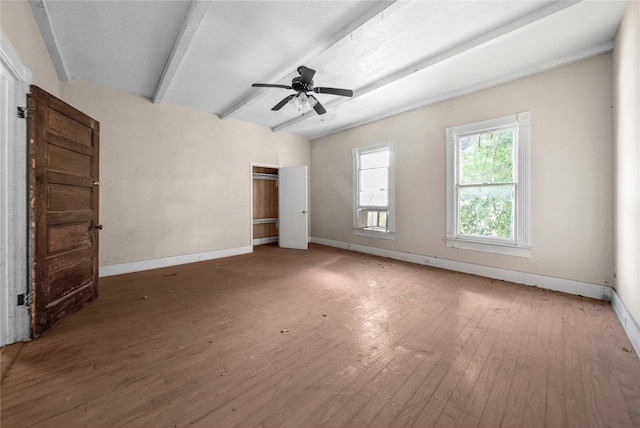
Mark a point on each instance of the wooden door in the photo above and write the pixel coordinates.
(293, 211)
(63, 152)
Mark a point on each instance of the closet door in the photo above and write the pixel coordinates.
(293, 209)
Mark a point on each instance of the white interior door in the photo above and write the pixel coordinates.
(293, 211)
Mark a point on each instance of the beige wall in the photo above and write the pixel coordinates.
(627, 171)
(174, 181)
(572, 173)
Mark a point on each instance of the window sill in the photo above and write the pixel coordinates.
(374, 233)
(509, 250)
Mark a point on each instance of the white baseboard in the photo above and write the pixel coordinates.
(579, 288)
(117, 269)
(629, 324)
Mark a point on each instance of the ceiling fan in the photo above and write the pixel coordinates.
(302, 85)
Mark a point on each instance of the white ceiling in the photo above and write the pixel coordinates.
(394, 55)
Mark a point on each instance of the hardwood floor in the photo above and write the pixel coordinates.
(325, 338)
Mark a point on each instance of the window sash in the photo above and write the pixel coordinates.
(512, 198)
(379, 194)
(460, 176)
(370, 218)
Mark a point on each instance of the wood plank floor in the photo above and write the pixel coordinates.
(325, 338)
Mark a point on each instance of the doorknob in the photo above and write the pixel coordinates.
(305, 212)
(99, 227)
(96, 183)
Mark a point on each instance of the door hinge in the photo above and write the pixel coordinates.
(24, 299)
(23, 112)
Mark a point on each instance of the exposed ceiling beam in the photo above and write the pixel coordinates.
(252, 95)
(196, 12)
(581, 55)
(43, 18)
(464, 47)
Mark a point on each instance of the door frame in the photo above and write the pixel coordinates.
(263, 165)
(14, 253)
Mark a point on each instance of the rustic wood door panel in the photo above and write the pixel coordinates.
(67, 161)
(64, 147)
(62, 197)
(67, 237)
(80, 272)
(61, 124)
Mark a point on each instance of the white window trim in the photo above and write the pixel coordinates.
(521, 247)
(391, 218)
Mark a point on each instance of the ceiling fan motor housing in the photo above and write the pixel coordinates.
(299, 85)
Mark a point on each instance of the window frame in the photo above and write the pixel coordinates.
(520, 245)
(356, 153)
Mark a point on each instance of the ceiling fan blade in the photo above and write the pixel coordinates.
(334, 91)
(269, 85)
(317, 106)
(283, 102)
(306, 73)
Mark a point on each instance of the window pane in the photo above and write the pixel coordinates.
(372, 219)
(374, 179)
(382, 221)
(486, 158)
(373, 198)
(486, 211)
(375, 159)
(374, 185)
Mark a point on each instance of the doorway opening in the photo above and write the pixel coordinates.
(264, 221)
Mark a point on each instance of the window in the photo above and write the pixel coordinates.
(373, 190)
(488, 186)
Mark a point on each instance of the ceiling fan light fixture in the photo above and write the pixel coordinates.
(295, 103)
(302, 102)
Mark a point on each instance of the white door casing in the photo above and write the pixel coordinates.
(14, 87)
